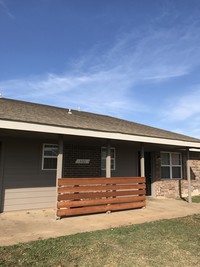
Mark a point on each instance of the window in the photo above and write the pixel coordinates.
(171, 165)
(103, 158)
(49, 159)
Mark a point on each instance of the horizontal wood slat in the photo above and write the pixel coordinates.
(86, 181)
(100, 188)
(100, 194)
(78, 196)
(103, 208)
(69, 204)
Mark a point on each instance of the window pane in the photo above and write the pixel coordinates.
(103, 164)
(176, 172)
(112, 153)
(50, 163)
(165, 172)
(103, 152)
(176, 159)
(51, 150)
(165, 159)
(112, 164)
(103, 158)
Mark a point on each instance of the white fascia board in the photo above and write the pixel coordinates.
(194, 150)
(34, 127)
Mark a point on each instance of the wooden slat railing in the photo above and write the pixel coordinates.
(78, 196)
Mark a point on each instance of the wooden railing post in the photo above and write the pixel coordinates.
(59, 167)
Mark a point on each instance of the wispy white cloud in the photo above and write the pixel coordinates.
(103, 81)
(182, 113)
(6, 10)
(103, 92)
(184, 107)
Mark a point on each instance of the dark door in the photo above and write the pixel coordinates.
(148, 172)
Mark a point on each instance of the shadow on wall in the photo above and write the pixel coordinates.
(192, 175)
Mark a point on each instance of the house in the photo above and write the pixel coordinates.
(40, 143)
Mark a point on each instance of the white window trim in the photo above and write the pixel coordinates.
(43, 156)
(114, 168)
(170, 165)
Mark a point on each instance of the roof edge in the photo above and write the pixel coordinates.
(34, 127)
(180, 136)
(96, 114)
(96, 130)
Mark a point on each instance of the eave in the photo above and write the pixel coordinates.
(34, 127)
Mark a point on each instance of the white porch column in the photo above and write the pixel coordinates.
(59, 158)
(142, 163)
(108, 161)
(188, 176)
(59, 168)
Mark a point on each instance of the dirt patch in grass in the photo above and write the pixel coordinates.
(163, 243)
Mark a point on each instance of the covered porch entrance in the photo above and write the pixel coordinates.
(92, 182)
(88, 178)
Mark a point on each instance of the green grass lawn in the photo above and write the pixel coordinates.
(196, 199)
(163, 243)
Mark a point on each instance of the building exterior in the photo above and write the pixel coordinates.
(39, 144)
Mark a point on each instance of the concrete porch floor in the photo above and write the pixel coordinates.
(24, 226)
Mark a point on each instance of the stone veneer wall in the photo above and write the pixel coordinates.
(178, 188)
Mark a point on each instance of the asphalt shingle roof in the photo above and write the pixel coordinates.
(21, 111)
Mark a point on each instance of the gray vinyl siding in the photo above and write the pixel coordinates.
(126, 161)
(25, 184)
(1, 175)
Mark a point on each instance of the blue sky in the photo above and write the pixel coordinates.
(137, 60)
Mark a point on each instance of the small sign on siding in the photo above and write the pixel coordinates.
(82, 161)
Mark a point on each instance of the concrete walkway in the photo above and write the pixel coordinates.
(24, 226)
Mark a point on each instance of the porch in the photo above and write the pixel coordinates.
(25, 226)
(26, 182)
